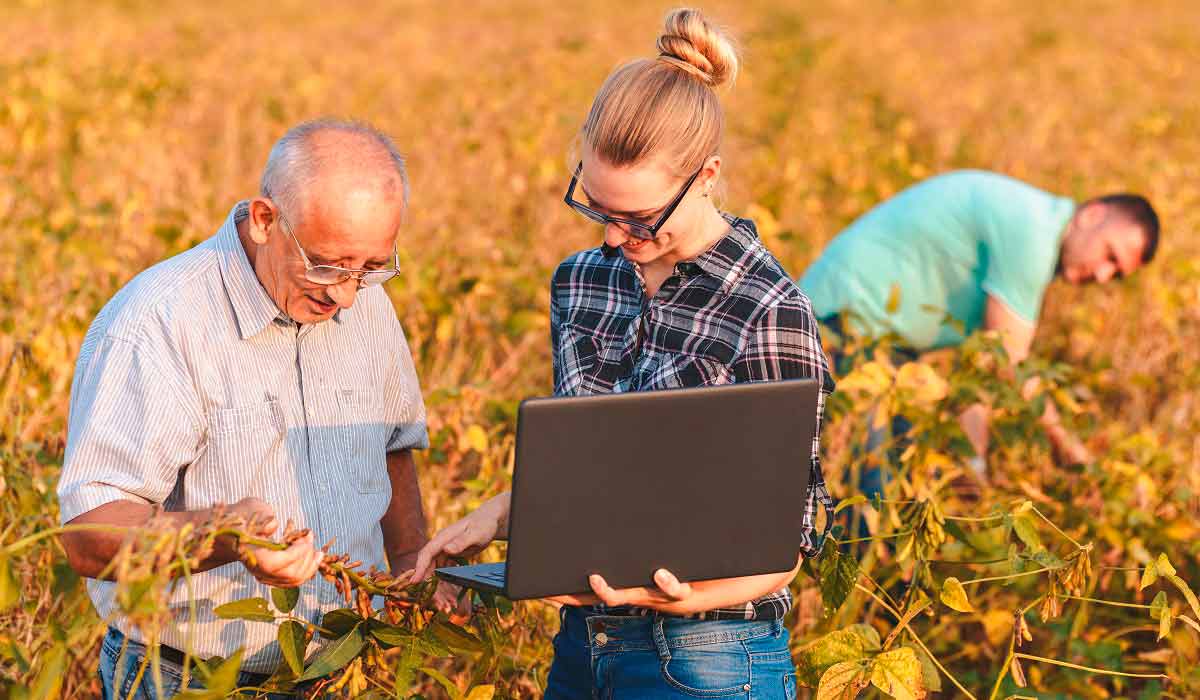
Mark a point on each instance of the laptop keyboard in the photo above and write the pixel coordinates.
(495, 576)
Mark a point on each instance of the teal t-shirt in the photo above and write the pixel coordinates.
(947, 243)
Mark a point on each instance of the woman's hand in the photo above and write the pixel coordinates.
(466, 537)
(668, 592)
(672, 596)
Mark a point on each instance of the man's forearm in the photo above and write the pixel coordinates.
(403, 524)
(91, 551)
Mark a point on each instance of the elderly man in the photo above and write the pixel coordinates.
(980, 248)
(265, 369)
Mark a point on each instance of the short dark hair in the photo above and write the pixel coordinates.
(1137, 209)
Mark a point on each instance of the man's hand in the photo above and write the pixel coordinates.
(287, 568)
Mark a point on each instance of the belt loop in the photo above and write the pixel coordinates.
(660, 639)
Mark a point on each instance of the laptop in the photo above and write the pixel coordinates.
(706, 482)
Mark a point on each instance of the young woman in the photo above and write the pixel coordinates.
(679, 295)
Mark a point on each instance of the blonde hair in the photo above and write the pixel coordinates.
(666, 106)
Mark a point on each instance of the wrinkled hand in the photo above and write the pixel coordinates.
(668, 595)
(453, 601)
(464, 538)
(287, 568)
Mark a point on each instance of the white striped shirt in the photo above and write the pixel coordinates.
(192, 389)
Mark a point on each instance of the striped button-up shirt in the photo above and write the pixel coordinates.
(730, 315)
(193, 389)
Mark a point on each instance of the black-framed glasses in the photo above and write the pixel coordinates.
(332, 274)
(637, 229)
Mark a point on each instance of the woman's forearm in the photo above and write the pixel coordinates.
(728, 592)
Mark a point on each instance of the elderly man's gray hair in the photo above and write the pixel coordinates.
(293, 162)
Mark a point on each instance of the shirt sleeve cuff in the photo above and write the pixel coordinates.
(81, 499)
(410, 436)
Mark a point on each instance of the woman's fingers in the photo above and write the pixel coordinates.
(671, 586)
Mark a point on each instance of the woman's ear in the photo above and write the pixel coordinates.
(710, 174)
(262, 215)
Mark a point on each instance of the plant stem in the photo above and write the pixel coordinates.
(1056, 527)
(1089, 669)
(1006, 576)
(917, 639)
(1104, 602)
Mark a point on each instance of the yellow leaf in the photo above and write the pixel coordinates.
(844, 681)
(476, 439)
(481, 692)
(870, 378)
(893, 300)
(898, 673)
(955, 596)
(926, 385)
(445, 329)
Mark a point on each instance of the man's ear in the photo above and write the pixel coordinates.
(262, 215)
(1092, 215)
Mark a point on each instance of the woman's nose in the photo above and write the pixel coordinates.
(614, 235)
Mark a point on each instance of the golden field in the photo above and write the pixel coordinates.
(128, 130)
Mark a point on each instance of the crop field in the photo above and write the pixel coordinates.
(128, 129)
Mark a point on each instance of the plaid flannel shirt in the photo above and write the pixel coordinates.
(730, 315)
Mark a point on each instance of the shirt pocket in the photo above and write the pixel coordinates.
(364, 435)
(243, 444)
(673, 370)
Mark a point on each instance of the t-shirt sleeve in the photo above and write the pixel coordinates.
(129, 431)
(1021, 240)
(402, 396)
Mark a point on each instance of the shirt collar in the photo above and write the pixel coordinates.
(730, 257)
(726, 261)
(253, 308)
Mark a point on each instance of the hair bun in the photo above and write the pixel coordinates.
(689, 41)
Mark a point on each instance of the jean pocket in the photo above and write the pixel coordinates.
(789, 686)
(709, 670)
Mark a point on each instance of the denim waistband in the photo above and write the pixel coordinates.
(612, 633)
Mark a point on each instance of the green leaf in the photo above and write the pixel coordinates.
(389, 635)
(837, 575)
(451, 689)
(336, 655)
(285, 599)
(49, 679)
(254, 609)
(1025, 529)
(337, 623)
(455, 637)
(10, 588)
(930, 674)
(404, 672)
(898, 673)
(221, 676)
(292, 644)
(844, 681)
(955, 596)
(847, 644)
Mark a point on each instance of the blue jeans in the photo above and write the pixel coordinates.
(113, 664)
(604, 657)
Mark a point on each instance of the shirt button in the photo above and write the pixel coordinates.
(601, 639)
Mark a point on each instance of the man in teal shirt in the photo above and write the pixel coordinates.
(980, 248)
